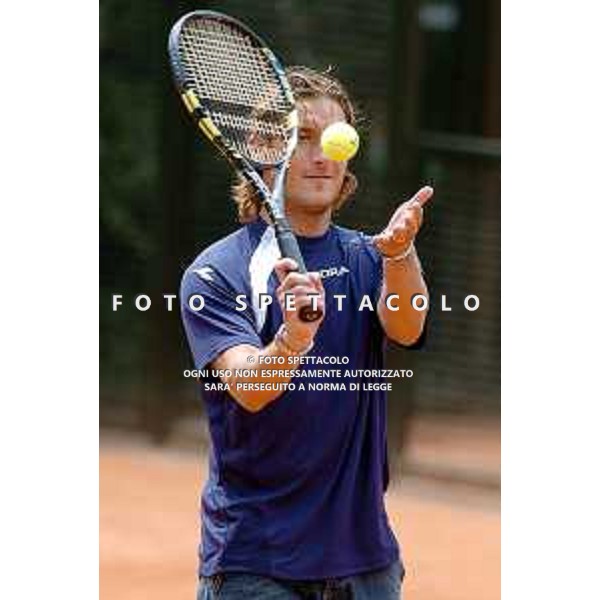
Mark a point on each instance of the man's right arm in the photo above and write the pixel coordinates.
(293, 339)
(246, 389)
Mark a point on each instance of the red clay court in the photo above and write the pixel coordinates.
(446, 513)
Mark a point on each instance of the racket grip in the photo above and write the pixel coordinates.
(288, 245)
(308, 315)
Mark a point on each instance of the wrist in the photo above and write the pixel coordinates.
(400, 256)
(289, 344)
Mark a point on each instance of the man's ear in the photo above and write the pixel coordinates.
(349, 187)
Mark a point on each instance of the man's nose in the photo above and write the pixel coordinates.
(316, 152)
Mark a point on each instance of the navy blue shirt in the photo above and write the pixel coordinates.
(294, 490)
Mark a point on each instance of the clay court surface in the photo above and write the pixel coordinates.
(449, 530)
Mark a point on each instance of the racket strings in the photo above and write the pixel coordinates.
(235, 81)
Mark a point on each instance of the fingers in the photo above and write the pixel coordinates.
(303, 288)
(317, 281)
(417, 201)
(410, 220)
(284, 266)
(293, 278)
(402, 231)
(422, 196)
(298, 291)
(404, 224)
(414, 205)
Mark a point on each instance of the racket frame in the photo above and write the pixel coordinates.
(272, 201)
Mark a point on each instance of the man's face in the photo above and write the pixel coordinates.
(313, 181)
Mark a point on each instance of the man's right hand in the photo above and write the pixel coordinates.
(303, 288)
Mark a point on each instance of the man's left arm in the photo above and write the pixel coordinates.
(402, 275)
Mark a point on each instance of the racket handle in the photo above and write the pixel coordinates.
(308, 315)
(288, 245)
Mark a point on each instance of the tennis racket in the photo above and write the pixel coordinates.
(236, 92)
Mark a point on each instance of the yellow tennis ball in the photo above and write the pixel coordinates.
(339, 141)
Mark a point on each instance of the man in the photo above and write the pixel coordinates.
(293, 506)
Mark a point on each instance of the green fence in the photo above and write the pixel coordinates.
(425, 76)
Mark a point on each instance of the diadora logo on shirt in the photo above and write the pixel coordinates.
(333, 272)
(205, 273)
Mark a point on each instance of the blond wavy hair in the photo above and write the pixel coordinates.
(306, 84)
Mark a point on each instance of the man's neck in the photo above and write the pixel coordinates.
(309, 225)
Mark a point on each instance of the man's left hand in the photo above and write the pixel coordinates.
(404, 225)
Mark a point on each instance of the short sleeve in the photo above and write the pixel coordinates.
(219, 324)
(374, 266)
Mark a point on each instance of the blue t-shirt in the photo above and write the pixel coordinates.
(296, 489)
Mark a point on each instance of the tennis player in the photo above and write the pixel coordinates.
(294, 502)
